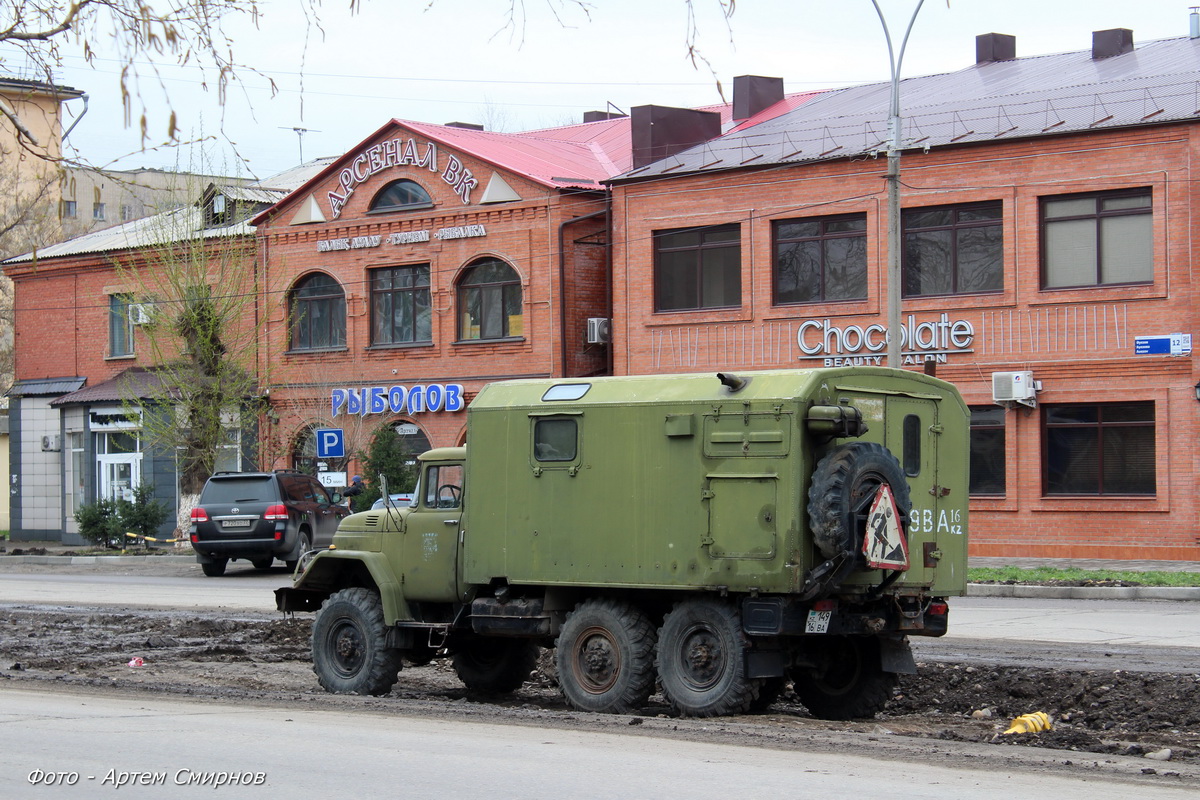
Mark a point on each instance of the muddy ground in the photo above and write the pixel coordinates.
(1153, 716)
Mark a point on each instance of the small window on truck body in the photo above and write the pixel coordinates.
(555, 439)
(566, 391)
(912, 445)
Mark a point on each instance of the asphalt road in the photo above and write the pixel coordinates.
(327, 753)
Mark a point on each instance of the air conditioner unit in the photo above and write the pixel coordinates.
(50, 444)
(1014, 387)
(139, 313)
(599, 330)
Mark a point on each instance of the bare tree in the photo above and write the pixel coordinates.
(138, 33)
(196, 297)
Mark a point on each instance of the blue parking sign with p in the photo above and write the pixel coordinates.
(331, 443)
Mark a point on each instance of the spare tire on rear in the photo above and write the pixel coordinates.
(842, 490)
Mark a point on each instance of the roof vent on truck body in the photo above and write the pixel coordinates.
(734, 383)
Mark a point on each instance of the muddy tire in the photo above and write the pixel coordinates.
(701, 660)
(495, 666)
(348, 645)
(215, 568)
(848, 681)
(605, 657)
(842, 490)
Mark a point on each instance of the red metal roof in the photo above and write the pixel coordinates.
(580, 156)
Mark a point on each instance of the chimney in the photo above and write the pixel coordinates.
(1113, 42)
(661, 131)
(600, 116)
(991, 47)
(1194, 24)
(471, 126)
(753, 93)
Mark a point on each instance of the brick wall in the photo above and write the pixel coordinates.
(1079, 342)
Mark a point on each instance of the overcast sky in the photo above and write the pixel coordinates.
(454, 60)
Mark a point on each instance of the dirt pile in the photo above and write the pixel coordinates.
(267, 657)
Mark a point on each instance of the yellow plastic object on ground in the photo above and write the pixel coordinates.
(1030, 723)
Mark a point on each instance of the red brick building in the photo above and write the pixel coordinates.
(1048, 209)
(424, 263)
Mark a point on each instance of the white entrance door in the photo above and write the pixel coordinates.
(119, 474)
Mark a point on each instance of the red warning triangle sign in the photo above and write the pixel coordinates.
(884, 544)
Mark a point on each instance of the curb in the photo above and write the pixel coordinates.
(973, 589)
(1084, 592)
(88, 561)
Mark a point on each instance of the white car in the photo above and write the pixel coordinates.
(398, 499)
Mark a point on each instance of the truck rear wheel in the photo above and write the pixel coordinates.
(701, 660)
(348, 645)
(605, 657)
(848, 681)
(495, 665)
(844, 486)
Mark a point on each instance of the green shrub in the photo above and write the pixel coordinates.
(100, 524)
(105, 522)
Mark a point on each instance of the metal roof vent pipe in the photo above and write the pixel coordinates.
(753, 93)
(1194, 23)
(991, 47)
(659, 132)
(1112, 42)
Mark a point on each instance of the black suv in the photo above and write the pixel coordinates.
(261, 516)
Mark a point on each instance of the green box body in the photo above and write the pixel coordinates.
(680, 482)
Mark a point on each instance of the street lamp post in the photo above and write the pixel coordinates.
(893, 183)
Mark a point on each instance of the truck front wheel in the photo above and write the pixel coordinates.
(847, 680)
(348, 645)
(495, 665)
(701, 660)
(605, 657)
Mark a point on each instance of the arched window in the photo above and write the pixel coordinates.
(318, 312)
(489, 301)
(304, 452)
(401, 195)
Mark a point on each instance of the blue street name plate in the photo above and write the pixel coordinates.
(1173, 344)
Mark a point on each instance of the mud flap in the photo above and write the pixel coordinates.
(896, 656)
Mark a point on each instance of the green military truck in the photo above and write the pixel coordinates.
(712, 535)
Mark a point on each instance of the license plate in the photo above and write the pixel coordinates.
(818, 622)
(235, 523)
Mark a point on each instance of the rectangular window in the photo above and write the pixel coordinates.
(68, 209)
(120, 325)
(912, 445)
(823, 259)
(555, 439)
(98, 212)
(697, 268)
(126, 213)
(987, 450)
(78, 477)
(229, 454)
(1097, 239)
(1099, 449)
(953, 250)
(400, 305)
(444, 486)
